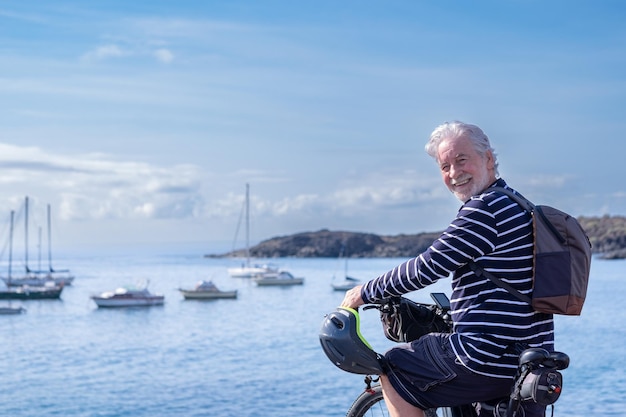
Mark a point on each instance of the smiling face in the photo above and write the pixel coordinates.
(465, 171)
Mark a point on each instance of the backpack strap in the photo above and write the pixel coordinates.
(530, 208)
(518, 198)
(479, 271)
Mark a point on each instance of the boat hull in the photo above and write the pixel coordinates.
(278, 278)
(344, 286)
(207, 295)
(12, 310)
(32, 293)
(278, 281)
(347, 284)
(128, 302)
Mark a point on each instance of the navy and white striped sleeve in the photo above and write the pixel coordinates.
(470, 235)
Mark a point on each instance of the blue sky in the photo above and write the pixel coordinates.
(141, 122)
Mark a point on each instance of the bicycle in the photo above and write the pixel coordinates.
(538, 378)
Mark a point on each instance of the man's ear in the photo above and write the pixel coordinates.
(491, 161)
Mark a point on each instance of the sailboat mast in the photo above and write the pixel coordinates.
(26, 234)
(49, 242)
(39, 249)
(11, 246)
(247, 224)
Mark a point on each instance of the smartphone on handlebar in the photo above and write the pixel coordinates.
(441, 299)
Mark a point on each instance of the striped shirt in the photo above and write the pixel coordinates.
(489, 322)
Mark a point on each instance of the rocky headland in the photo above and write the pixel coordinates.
(607, 235)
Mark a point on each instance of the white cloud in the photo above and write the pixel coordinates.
(164, 55)
(104, 52)
(97, 186)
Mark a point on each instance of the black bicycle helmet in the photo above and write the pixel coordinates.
(342, 342)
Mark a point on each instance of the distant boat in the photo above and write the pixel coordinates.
(39, 277)
(277, 278)
(26, 292)
(249, 271)
(348, 282)
(246, 270)
(12, 310)
(58, 276)
(128, 297)
(206, 290)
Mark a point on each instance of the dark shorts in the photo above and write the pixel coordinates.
(427, 374)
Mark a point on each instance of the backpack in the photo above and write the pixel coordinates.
(562, 260)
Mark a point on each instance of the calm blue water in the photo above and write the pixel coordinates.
(255, 356)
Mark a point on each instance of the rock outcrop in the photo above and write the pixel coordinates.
(607, 235)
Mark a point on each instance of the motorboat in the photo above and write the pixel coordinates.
(128, 297)
(278, 278)
(206, 290)
(346, 284)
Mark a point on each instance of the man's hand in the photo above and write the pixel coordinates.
(353, 299)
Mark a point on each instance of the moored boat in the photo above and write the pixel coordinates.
(35, 278)
(27, 292)
(247, 270)
(346, 284)
(278, 278)
(12, 310)
(250, 271)
(128, 297)
(206, 290)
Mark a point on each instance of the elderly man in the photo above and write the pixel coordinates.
(476, 362)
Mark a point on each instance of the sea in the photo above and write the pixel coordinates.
(257, 355)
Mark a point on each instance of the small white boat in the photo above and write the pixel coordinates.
(248, 270)
(347, 284)
(251, 271)
(278, 278)
(128, 297)
(206, 290)
(12, 310)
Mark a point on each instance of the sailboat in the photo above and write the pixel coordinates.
(246, 270)
(25, 292)
(40, 277)
(348, 282)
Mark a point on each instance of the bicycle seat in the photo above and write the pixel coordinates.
(557, 360)
(533, 356)
(539, 356)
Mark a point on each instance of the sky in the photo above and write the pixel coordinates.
(141, 122)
